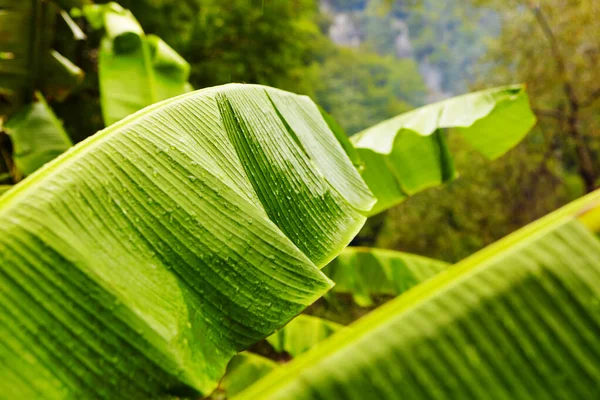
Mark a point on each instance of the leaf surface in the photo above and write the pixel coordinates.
(143, 259)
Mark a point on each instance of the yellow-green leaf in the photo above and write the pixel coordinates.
(408, 153)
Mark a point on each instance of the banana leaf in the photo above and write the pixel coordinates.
(37, 136)
(364, 272)
(408, 153)
(302, 333)
(244, 370)
(517, 320)
(139, 262)
(134, 70)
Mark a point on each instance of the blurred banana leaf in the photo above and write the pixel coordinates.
(517, 320)
(37, 136)
(22, 49)
(408, 153)
(244, 370)
(302, 333)
(135, 70)
(137, 264)
(364, 272)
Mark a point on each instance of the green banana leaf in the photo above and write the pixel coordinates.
(302, 333)
(517, 320)
(363, 272)
(138, 263)
(408, 153)
(37, 136)
(244, 370)
(134, 70)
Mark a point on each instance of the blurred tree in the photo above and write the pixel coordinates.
(554, 46)
(268, 42)
(360, 89)
(450, 35)
(271, 42)
(445, 38)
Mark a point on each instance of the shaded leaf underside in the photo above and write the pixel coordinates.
(408, 153)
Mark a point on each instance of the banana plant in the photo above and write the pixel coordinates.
(406, 154)
(135, 70)
(138, 263)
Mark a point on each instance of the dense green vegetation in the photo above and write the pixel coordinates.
(197, 247)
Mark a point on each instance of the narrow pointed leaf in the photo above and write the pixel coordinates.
(37, 136)
(364, 272)
(141, 261)
(135, 70)
(518, 320)
(78, 34)
(408, 153)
